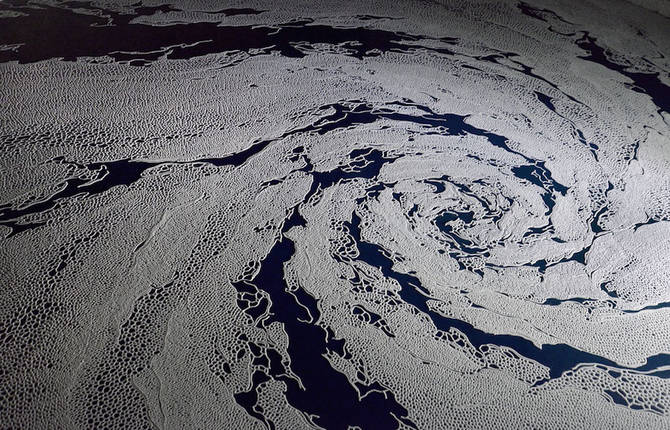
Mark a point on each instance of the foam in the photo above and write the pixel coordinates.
(451, 221)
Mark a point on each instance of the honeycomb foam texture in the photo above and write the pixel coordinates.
(335, 215)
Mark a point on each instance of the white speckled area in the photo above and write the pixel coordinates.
(341, 215)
